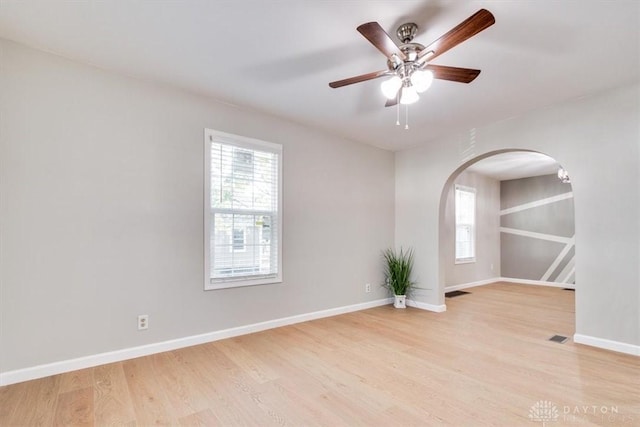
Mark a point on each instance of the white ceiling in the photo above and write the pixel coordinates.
(278, 56)
(514, 165)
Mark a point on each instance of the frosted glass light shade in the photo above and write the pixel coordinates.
(421, 80)
(409, 95)
(391, 86)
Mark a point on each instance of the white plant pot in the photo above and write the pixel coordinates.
(399, 301)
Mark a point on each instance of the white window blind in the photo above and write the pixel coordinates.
(243, 211)
(465, 207)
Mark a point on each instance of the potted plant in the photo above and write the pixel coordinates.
(397, 274)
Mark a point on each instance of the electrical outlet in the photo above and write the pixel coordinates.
(491, 266)
(143, 322)
(367, 287)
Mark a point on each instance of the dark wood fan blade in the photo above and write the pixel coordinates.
(358, 79)
(471, 26)
(391, 102)
(454, 74)
(378, 37)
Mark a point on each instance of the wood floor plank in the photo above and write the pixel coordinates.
(184, 392)
(150, 403)
(38, 403)
(76, 380)
(308, 409)
(236, 350)
(230, 392)
(204, 418)
(112, 401)
(75, 408)
(485, 361)
(10, 398)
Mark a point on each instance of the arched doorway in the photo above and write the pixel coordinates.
(522, 224)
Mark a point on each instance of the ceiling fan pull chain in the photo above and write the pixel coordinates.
(398, 112)
(406, 117)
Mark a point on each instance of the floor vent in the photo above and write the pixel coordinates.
(568, 289)
(559, 339)
(455, 294)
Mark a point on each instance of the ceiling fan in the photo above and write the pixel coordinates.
(408, 64)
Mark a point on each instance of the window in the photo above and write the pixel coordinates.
(243, 203)
(238, 239)
(465, 204)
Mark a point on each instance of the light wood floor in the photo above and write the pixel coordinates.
(486, 361)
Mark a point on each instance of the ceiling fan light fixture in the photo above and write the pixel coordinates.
(421, 80)
(391, 86)
(409, 95)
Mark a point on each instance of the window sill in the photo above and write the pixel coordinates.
(465, 261)
(241, 283)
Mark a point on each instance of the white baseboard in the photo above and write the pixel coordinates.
(510, 280)
(471, 284)
(606, 344)
(424, 306)
(537, 282)
(41, 371)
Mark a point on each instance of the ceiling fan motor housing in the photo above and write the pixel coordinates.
(411, 50)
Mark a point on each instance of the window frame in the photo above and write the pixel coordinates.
(474, 226)
(210, 136)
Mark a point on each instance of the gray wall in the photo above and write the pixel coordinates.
(539, 256)
(101, 213)
(487, 264)
(596, 139)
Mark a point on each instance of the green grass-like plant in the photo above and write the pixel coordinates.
(397, 271)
